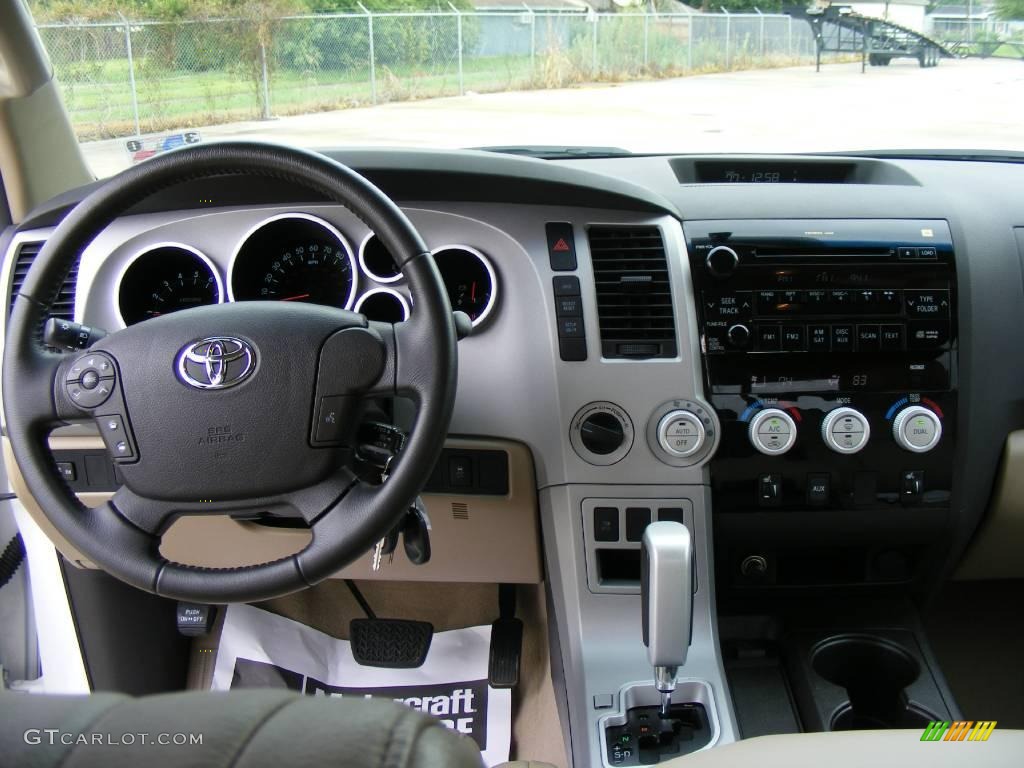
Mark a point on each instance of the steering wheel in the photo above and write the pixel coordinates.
(233, 408)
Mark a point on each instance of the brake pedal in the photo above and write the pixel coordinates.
(391, 643)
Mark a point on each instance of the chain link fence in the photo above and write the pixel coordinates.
(134, 77)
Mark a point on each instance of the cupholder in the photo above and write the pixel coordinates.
(875, 674)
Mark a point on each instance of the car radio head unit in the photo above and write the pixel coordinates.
(830, 356)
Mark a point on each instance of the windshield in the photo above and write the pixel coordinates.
(141, 76)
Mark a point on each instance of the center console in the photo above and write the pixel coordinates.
(830, 357)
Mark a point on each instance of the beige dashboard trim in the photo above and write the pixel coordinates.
(995, 551)
(473, 538)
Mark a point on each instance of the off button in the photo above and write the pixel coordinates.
(680, 433)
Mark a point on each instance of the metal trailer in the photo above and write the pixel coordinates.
(837, 29)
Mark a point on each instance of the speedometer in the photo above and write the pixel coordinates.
(295, 257)
(164, 279)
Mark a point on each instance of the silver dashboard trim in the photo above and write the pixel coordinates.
(490, 272)
(387, 291)
(214, 270)
(369, 272)
(352, 263)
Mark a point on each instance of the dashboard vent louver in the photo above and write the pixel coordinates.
(634, 296)
(63, 304)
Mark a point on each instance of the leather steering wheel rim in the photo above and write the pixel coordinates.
(418, 359)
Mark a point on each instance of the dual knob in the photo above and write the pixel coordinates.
(845, 430)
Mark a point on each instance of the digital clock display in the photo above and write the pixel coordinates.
(771, 172)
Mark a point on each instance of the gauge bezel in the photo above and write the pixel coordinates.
(352, 262)
(404, 301)
(149, 248)
(369, 272)
(490, 273)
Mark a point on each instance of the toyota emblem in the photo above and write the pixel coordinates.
(217, 362)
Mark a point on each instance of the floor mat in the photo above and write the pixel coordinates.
(537, 732)
(975, 630)
(259, 649)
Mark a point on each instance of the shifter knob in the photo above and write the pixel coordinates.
(666, 593)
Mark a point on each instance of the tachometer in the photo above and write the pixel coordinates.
(470, 280)
(295, 257)
(164, 279)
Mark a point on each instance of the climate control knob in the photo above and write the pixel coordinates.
(772, 431)
(722, 261)
(917, 429)
(845, 430)
(680, 433)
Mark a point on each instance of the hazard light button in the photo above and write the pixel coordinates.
(561, 246)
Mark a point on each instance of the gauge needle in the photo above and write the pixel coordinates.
(296, 298)
(472, 292)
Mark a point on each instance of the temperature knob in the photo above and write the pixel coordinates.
(722, 261)
(772, 431)
(680, 433)
(917, 429)
(845, 430)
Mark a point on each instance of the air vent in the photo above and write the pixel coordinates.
(634, 297)
(63, 305)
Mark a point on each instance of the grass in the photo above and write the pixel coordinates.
(98, 94)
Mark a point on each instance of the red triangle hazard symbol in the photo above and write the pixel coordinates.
(561, 245)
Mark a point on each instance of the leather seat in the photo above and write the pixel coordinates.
(250, 729)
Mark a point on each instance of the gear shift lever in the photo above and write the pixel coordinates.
(666, 592)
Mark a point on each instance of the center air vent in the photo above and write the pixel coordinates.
(63, 304)
(634, 297)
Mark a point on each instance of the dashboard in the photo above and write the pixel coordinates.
(814, 358)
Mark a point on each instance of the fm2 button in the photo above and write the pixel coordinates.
(90, 380)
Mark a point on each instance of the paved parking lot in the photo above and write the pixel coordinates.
(975, 104)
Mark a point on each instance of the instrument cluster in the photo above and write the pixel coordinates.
(302, 258)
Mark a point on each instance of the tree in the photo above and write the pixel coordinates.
(1010, 9)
